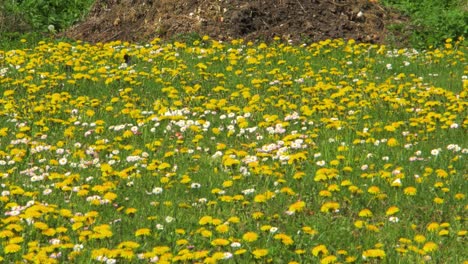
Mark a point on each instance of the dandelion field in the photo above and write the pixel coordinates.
(206, 152)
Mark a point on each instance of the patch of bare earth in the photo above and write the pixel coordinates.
(296, 20)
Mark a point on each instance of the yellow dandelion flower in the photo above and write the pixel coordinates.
(257, 215)
(299, 175)
(410, 191)
(374, 253)
(328, 259)
(373, 190)
(220, 146)
(160, 250)
(355, 189)
(346, 183)
(250, 236)
(433, 227)
(260, 253)
(205, 220)
(222, 228)
(240, 251)
(287, 191)
(61, 229)
(320, 250)
(297, 206)
(430, 246)
(285, 239)
(392, 142)
(392, 210)
(128, 245)
(333, 188)
(41, 225)
(90, 112)
(265, 227)
(299, 251)
(441, 173)
(102, 231)
(234, 219)
(216, 131)
(15, 227)
(181, 242)
(230, 162)
(329, 206)
(227, 184)
(180, 231)
(6, 233)
(8, 93)
(216, 221)
(110, 196)
(372, 228)
(260, 198)
(185, 179)
(443, 232)
(4, 132)
(11, 248)
(206, 233)
(220, 242)
(77, 225)
(325, 193)
(365, 213)
(16, 240)
(438, 200)
(143, 232)
(127, 254)
(419, 238)
(69, 132)
(390, 128)
(130, 211)
(215, 257)
(445, 225)
(49, 232)
(309, 230)
(405, 240)
(396, 182)
(342, 252)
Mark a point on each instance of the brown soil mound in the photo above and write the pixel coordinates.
(297, 20)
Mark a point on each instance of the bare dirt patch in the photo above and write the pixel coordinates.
(296, 20)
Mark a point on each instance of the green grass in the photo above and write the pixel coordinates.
(331, 151)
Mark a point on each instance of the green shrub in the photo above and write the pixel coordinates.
(432, 21)
(41, 15)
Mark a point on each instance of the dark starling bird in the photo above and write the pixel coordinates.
(127, 59)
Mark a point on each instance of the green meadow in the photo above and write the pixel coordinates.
(233, 152)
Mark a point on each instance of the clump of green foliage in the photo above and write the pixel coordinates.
(41, 15)
(432, 21)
